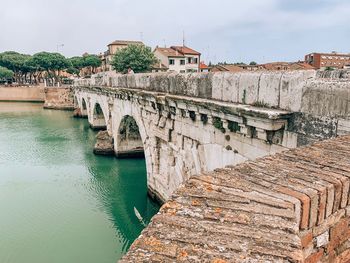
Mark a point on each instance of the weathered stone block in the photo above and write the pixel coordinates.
(269, 89)
(322, 239)
(249, 87)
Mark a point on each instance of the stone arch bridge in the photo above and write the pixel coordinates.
(187, 124)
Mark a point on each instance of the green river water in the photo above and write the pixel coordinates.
(58, 201)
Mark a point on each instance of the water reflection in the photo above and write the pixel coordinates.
(58, 201)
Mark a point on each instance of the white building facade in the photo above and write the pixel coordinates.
(179, 59)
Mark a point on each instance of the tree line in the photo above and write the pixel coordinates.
(22, 68)
(33, 69)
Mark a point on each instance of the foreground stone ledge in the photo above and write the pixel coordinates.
(290, 207)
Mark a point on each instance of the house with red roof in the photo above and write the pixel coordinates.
(179, 59)
(204, 67)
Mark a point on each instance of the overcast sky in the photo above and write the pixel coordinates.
(222, 30)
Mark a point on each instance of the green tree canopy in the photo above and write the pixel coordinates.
(13, 60)
(6, 73)
(50, 61)
(91, 61)
(73, 70)
(253, 63)
(137, 57)
(77, 62)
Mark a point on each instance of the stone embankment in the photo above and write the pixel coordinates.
(290, 207)
(26, 94)
(59, 98)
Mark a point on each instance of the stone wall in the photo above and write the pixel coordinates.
(34, 94)
(60, 98)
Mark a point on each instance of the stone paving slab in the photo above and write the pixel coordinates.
(275, 209)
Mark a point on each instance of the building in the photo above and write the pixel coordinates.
(113, 48)
(204, 67)
(325, 60)
(226, 68)
(180, 59)
(159, 67)
(277, 66)
(301, 65)
(255, 67)
(273, 66)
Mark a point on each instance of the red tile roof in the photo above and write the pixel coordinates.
(230, 68)
(203, 65)
(186, 50)
(169, 52)
(125, 42)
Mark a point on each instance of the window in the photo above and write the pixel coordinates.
(195, 60)
(171, 61)
(182, 62)
(182, 71)
(189, 60)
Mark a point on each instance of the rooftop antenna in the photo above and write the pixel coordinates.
(141, 36)
(183, 38)
(164, 42)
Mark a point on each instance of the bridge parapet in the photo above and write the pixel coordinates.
(270, 89)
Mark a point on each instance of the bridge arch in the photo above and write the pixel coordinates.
(83, 107)
(128, 141)
(98, 119)
(99, 113)
(127, 120)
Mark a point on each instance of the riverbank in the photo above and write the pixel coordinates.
(25, 94)
(57, 98)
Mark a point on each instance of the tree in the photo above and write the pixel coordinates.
(253, 63)
(73, 71)
(86, 61)
(137, 57)
(15, 62)
(92, 61)
(5, 73)
(77, 62)
(51, 63)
